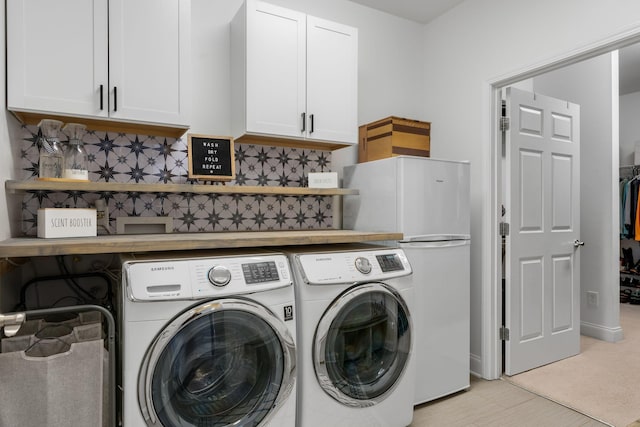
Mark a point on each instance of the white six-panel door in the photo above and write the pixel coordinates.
(542, 289)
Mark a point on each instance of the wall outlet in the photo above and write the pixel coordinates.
(102, 214)
(592, 298)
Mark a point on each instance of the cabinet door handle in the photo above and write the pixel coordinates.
(304, 122)
(311, 118)
(115, 99)
(101, 97)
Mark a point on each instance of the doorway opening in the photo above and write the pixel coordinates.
(492, 319)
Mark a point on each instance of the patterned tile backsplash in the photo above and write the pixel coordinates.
(117, 157)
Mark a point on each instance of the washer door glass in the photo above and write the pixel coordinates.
(224, 364)
(362, 344)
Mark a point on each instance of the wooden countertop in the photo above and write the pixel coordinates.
(29, 247)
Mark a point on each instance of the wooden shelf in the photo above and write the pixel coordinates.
(107, 124)
(104, 124)
(29, 247)
(113, 187)
(276, 141)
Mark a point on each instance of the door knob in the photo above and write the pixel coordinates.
(577, 243)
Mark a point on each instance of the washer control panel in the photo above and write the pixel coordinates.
(196, 278)
(389, 262)
(258, 272)
(356, 266)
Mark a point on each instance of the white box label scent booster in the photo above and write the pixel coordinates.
(67, 222)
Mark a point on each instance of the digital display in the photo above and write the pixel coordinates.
(389, 262)
(259, 272)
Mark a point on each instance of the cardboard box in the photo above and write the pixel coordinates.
(394, 136)
(67, 222)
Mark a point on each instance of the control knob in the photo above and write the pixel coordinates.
(363, 265)
(219, 276)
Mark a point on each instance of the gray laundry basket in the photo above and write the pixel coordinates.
(36, 345)
(52, 380)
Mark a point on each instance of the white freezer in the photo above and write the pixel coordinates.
(428, 201)
(441, 326)
(417, 196)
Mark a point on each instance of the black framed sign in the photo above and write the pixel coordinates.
(211, 157)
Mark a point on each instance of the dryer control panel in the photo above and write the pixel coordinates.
(196, 278)
(356, 266)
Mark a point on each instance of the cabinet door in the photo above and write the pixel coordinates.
(332, 81)
(57, 56)
(149, 62)
(275, 70)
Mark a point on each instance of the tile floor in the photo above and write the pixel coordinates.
(498, 403)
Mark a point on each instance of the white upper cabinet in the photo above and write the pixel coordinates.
(57, 58)
(124, 60)
(293, 76)
(332, 81)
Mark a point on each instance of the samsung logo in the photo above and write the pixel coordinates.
(162, 268)
(324, 259)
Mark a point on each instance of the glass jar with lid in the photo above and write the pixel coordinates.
(75, 157)
(51, 159)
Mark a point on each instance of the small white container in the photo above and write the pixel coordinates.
(67, 222)
(323, 179)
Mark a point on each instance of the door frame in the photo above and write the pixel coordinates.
(491, 258)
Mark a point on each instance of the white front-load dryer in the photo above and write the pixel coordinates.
(354, 336)
(207, 340)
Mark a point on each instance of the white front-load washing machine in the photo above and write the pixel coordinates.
(207, 340)
(354, 336)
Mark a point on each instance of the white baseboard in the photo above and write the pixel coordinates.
(475, 365)
(600, 332)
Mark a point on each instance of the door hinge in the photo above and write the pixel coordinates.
(504, 229)
(504, 333)
(504, 124)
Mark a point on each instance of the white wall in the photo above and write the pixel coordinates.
(593, 84)
(5, 161)
(9, 128)
(629, 127)
(483, 41)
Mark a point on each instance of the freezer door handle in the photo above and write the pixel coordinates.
(437, 237)
(435, 244)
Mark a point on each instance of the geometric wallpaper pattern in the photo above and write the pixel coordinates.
(118, 157)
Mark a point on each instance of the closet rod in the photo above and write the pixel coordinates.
(635, 169)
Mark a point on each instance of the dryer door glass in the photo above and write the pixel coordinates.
(218, 367)
(362, 344)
